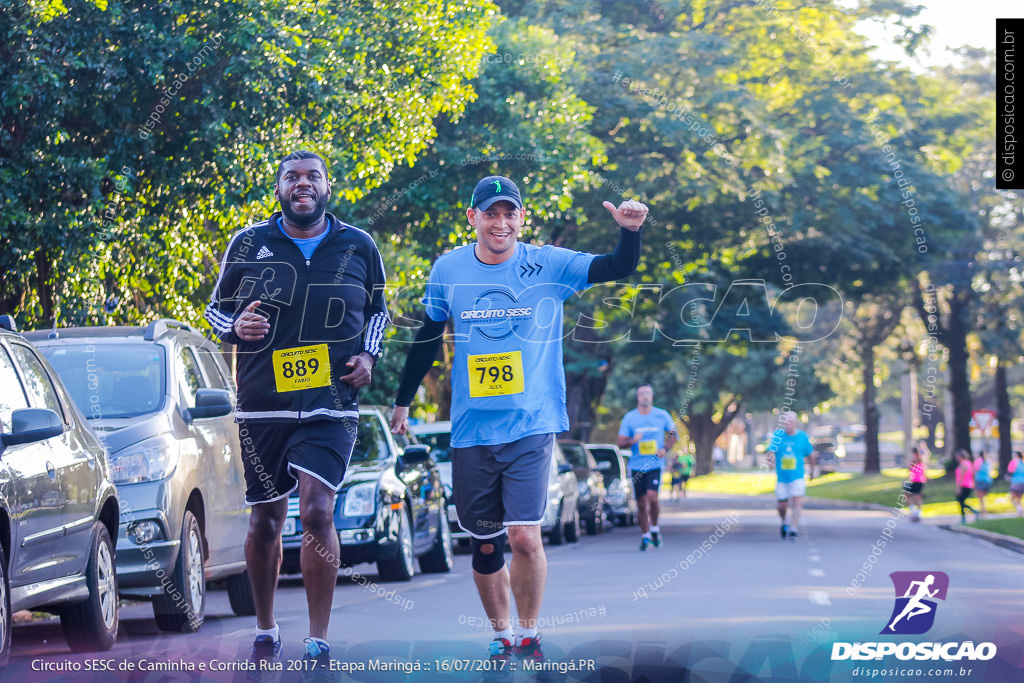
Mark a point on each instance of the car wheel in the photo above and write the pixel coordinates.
(572, 530)
(240, 595)
(400, 568)
(182, 605)
(91, 625)
(439, 559)
(5, 612)
(556, 536)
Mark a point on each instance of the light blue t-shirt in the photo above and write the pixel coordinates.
(790, 452)
(652, 428)
(507, 375)
(308, 245)
(1018, 474)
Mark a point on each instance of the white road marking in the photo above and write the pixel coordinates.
(815, 558)
(814, 571)
(819, 598)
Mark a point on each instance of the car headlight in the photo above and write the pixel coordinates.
(147, 460)
(360, 500)
(583, 488)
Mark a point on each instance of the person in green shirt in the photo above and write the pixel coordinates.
(681, 471)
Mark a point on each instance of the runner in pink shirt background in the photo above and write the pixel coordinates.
(964, 483)
(915, 482)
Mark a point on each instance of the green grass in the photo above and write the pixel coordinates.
(882, 489)
(736, 483)
(1010, 527)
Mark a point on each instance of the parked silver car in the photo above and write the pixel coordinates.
(161, 399)
(614, 468)
(58, 505)
(562, 516)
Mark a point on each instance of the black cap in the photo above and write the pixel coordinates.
(495, 188)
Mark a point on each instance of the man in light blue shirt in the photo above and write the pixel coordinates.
(504, 300)
(789, 447)
(650, 433)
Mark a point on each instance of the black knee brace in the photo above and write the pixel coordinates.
(488, 563)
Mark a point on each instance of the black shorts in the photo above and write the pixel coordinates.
(913, 486)
(502, 485)
(646, 481)
(271, 450)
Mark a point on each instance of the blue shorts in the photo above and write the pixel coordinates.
(502, 485)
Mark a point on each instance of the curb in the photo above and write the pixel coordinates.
(1002, 540)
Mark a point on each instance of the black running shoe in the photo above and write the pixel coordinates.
(655, 539)
(644, 542)
(792, 534)
(316, 664)
(266, 655)
(783, 530)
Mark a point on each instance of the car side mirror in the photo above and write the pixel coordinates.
(604, 466)
(32, 424)
(211, 403)
(416, 454)
(564, 468)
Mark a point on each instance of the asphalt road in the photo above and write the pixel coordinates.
(724, 599)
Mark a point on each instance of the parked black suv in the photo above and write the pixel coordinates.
(58, 505)
(390, 510)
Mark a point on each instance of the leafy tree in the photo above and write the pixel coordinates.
(137, 136)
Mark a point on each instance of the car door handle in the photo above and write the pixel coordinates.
(51, 471)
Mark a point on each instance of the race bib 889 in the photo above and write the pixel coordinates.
(303, 367)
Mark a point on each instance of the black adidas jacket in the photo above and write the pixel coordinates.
(329, 306)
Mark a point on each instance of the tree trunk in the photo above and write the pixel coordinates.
(959, 383)
(703, 434)
(1004, 416)
(930, 419)
(872, 456)
(704, 431)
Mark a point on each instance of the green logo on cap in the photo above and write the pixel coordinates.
(497, 184)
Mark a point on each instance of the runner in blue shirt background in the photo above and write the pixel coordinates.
(650, 433)
(504, 299)
(789, 447)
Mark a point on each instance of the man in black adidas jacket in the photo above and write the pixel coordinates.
(301, 294)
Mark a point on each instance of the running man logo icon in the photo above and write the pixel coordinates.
(914, 611)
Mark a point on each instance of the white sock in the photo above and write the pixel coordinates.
(522, 633)
(655, 529)
(648, 535)
(508, 634)
(274, 633)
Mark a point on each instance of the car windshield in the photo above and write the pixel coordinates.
(440, 445)
(372, 446)
(109, 381)
(574, 454)
(607, 455)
